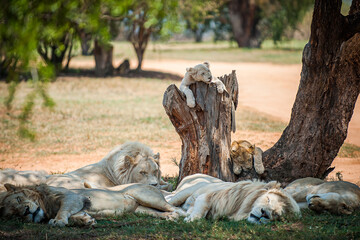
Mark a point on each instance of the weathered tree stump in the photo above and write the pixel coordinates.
(205, 130)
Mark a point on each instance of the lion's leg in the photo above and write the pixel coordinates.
(200, 208)
(190, 99)
(219, 85)
(166, 215)
(71, 204)
(83, 219)
(150, 196)
(180, 197)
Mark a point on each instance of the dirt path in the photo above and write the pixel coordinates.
(272, 89)
(265, 87)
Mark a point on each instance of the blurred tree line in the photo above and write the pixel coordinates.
(37, 37)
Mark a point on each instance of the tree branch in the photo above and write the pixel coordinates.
(355, 7)
(352, 25)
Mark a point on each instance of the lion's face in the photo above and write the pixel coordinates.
(272, 206)
(331, 202)
(201, 72)
(22, 204)
(146, 170)
(242, 156)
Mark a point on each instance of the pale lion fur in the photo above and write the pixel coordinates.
(56, 205)
(21, 177)
(201, 196)
(132, 162)
(337, 197)
(198, 73)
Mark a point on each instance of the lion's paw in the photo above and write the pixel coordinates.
(220, 89)
(190, 103)
(57, 223)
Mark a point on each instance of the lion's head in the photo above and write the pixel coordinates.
(200, 72)
(22, 203)
(331, 202)
(263, 202)
(272, 204)
(245, 157)
(133, 162)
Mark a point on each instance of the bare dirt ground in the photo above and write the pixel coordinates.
(267, 88)
(272, 89)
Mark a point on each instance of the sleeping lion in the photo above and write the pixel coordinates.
(337, 197)
(43, 203)
(205, 196)
(132, 162)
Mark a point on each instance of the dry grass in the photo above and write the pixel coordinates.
(100, 113)
(92, 115)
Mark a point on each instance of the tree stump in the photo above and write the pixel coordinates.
(205, 130)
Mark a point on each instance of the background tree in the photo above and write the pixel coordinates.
(148, 18)
(199, 15)
(324, 104)
(253, 21)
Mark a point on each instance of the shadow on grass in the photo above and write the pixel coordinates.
(76, 72)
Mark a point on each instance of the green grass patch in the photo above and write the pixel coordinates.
(288, 52)
(348, 150)
(250, 120)
(134, 226)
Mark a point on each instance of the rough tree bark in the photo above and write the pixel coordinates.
(329, 87)
(103, 59)
(244, 20)
(85, 41)
(205, 130)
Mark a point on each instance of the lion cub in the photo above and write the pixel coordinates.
(199, 73)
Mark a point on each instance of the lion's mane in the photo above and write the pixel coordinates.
(115, 165)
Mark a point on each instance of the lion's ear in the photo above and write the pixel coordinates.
(128, 161)
(191, 70)
(207, 64)
(157, 157)
(10, 188)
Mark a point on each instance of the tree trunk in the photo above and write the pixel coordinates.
(205, 130)
(103, 59)
(85, 40)
(244, 20)
(329, 87)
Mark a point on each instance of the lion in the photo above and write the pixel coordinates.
(336, 197)
(43, 203)
(21, 177)
(132, 162)
(246, 158)
(199, 73)
(258, 202)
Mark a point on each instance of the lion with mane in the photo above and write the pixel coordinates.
(55, 205)
(132, 162)
(258, 202)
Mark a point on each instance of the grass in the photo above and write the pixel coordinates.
(100, 113)
(131, 226)
(94, 113)
(289, 52)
